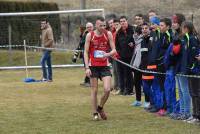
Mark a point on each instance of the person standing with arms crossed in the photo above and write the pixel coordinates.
(96, 55)
(47, 42)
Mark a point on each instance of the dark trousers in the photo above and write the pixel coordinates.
(125, 77)
(115, 75)
(196, 106)
(161, 80)
(87, 79)
(137, 84)
(194, 89)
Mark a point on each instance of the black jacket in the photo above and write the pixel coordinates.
(146, 48)
(154, 41)
(122, 41)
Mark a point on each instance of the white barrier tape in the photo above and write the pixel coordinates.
(153, 72)
(58, 49)
(43, 48)
(7, 46)
(36, 67)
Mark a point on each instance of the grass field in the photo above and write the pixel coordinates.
(63, 107)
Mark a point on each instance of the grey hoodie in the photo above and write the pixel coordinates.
(136, 58)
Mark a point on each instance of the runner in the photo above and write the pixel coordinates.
(96, 55)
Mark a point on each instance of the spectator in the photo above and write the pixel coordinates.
(136, 61)
(89, 28)
(124, 46)
(146, 48)
(152, 13)
(112, 28)
(164, 42)
(47, 42)
(171, 59)
(150, 84)
(185, 61)
(138, 20)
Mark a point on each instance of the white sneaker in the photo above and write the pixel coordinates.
(189, 119)
(95, 117)
(43, 79)
(146, 104)
(194, 121)
(117, 92)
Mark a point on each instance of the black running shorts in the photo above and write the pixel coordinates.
(100, 72)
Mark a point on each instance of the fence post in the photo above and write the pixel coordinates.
(25, 58)
(10, 42)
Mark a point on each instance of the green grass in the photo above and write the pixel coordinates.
(33, 58)
(63, 107)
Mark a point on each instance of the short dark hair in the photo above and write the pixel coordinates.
(167, 21)
(145, 24)
(45, 19)
(123, 17)
(100, 18)
(139, 15)
(154, 11)
(115, 20)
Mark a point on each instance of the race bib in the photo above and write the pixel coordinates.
(98, 54)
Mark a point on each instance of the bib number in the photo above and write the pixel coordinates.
(98, 54)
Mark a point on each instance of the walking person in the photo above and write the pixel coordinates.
(96, 55)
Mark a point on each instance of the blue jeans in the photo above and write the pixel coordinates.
(184, 95)
(46, 60)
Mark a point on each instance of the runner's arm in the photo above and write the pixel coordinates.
(112, 45)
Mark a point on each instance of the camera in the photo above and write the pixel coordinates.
(75, 56)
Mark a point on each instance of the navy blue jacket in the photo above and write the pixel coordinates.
(189, 50)
(163, 45)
